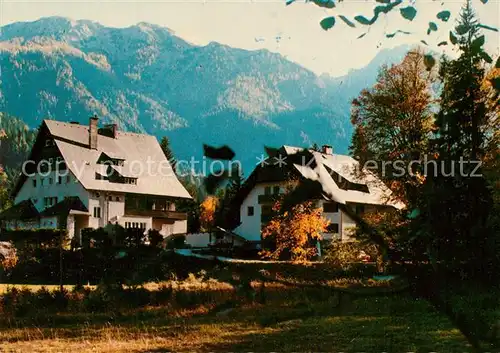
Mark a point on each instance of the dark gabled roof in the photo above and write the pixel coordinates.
(24, 210)
(64, 207)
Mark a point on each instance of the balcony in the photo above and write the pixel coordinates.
(180, 216)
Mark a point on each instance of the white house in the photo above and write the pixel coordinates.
(81, 176)
(341, 181)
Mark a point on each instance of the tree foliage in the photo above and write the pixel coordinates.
(5, 201)
(410, 12)
(455, 207)
(393, 122)
(167, 151)
(295, 232)
(225, 215)
(208, 210)
(16, 140)
(8, 256)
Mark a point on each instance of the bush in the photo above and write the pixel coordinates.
(134, 237)
(155, 238)
(8, 259)
(121, 265)
(96, 238)
(177, 241)
(35, 238)
(345, 255)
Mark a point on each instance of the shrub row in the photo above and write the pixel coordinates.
(39, 238)
(92, 265)
(22, 303)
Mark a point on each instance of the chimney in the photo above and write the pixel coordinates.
(326, 149)
(113, 128)
(93, 132)
(109, 130)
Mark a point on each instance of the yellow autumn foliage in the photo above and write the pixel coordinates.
(207, 212)
(296, 231)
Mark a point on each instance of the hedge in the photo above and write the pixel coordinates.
(42, 238)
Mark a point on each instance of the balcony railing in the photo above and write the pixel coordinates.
(156, 214)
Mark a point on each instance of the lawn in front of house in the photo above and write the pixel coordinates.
(289, 319)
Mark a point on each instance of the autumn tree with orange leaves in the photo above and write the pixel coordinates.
(295, 232)
(393, 122)
(208, 209)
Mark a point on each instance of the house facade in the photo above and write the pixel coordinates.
(341, 180)
(80, 176)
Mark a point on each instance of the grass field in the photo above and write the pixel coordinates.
(32, 287)
(289, 320)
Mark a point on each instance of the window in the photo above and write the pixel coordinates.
(97, 194)
(41, 181)
(49, 143)
(51, 181)
(276, 190)
(250, 210)
(333, 228)
(59, 180)
(34, 183)
(117, 198)
(330, 207)
(51, 161)
(110, 198)
(130, 181)
(97, 212)
(49, 201)
(267, 190)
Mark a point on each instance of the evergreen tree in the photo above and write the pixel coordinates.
(227, 195)
(16, 141)
(194, 185)
(462, 118)
(165, 146)
(456, 204)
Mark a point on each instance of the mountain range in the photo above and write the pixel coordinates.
(147, 79)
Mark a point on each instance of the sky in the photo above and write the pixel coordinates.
(292, 31)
